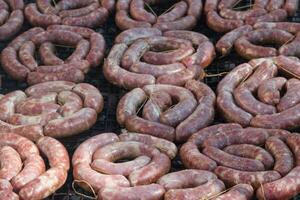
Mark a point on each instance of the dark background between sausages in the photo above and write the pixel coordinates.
(107, 118)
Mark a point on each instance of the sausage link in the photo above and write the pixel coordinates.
(284, 160)
(232, 177)
(219, 24)
(97, 48)
(57, 36)
(34, 166)
(284, 188)
(81, 65)
(273, 16)
(289, 99)
(183, 23)
(10, 63)
(32, 132)
(128, 104)
(151, 191)
(8, 103)
(178, 10)
(137, 124)
(80, 52)
(83, 31)
(12, 26)
(68, 4)
(26, 55)
(293, 142)
(124, 22)
(72, 125)
(11, 163)
(288, 66)
(210, 6)
(134, 53)
(204, 191)
(157, 103)
(206, 99)
(186, 179)
(251, 151)
(42, 119)
(79, 11)
(131, 35)
(47, 54)
(291, 49)
(181, 77)
(71, 74)
(70, 103)
(195, 8)
(4, 14)
(241, 15)
(225, 44)
(90, 95)
(107, 167)
(36, 18)
(139, 13)
(286, 26)
(234, 162)
(163, 145)
(156, 70)
(203, 57)
(45, 7)
(269, 91)
(185, 106)
(238, 192)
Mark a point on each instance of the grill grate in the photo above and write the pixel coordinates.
(106, 120)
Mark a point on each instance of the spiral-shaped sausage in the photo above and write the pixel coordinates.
(18, 58)
(146, 56)
(168, 112)
(23, 171)
(222, 16)
(253, 93)
(183, 15)
(56, 109)
(94, 162)
(88, 13)
(264, 158)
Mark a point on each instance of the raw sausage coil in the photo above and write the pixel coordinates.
(57, 109)
(193, 110)
(252, 94)
(266, 159)
(224, 16)
(90, 13)
(144, 56)
(19, 60)
(183, 15)
(94, 162)
(28, 181)
(11, 18)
